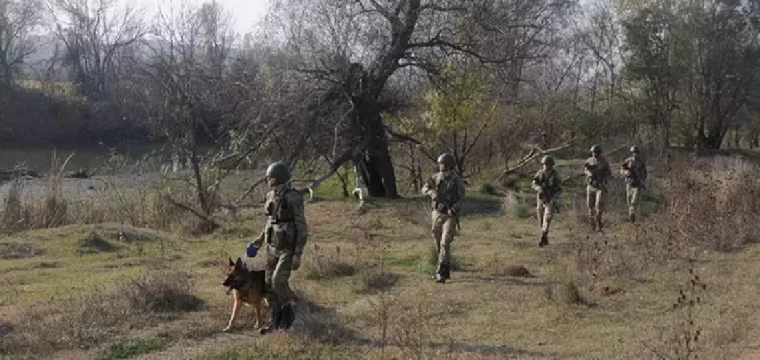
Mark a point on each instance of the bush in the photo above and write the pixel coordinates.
(323, 266)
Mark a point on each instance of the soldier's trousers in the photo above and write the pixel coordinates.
(545, 213)
(632, 197)
(595, 199)
(279, 263)
(443, 234)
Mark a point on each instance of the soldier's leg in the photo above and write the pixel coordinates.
(548, 213)
(444, 256)
(634, 202)
(548, 216)
(271, 294)
(540, 212)
(437, 231)
(280, 282)
(600, 204)
(591, 204)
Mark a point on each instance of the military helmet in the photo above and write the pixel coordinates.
(596, 149)
(447, 159)
(548, 160)
(634, 149)
(279, 171)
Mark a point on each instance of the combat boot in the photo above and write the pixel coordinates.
(599, 223)
(439, 274)
(287, 318)
(544, 239)
(446, 272)
(275, 321)
(632, 217)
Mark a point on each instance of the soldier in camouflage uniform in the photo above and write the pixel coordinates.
(285, 234)
(446, 190)
(598, 172)
(548, 188)
(635, 171)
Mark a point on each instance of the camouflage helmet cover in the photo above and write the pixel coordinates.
(596, 149)
(279, 171)
(634, 149)
(447, 159)
(548, 160)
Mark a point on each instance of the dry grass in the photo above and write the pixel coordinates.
(322, 264)
(364, 294)
(100, 314)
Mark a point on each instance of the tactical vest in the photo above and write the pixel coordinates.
(447, 193)
(597, 172)
(279, 212)
(634, 165)
(547, 181)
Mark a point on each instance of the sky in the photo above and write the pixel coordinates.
(245, 12)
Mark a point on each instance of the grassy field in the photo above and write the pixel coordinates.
(679, 283)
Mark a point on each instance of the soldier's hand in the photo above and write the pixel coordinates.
(296, 263)
(451, 213)
(434, 195)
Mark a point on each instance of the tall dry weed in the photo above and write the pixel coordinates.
(711, 207)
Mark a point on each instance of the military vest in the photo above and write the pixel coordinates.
(636, 166)
(549, 182)
(599, 171)
(279, 212)
(446, 186)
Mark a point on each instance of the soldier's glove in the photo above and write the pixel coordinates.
(252, 250)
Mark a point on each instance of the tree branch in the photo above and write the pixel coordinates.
(534, 152)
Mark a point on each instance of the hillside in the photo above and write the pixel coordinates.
(89, 291)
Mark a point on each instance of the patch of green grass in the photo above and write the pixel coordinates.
(522, 211)
(136, 347)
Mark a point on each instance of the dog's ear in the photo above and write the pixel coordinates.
(232, 263)
(239, 263)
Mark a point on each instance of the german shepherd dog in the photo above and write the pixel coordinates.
(248, 287)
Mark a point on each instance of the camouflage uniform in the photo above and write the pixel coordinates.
(451, 190)
(285, 233)
(635, 171)
(549, 188)
(596, 189)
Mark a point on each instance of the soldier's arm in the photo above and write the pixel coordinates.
(429, 186)
(535, 185)
(296, 203)
(585, 168)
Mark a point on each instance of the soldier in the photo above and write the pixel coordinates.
(548, 188)
(285, 233)
(598, 172)
(635, 171)
(446, 190)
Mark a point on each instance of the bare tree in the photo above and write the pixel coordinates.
(17, 19)
(357, 46)
(93, 32)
